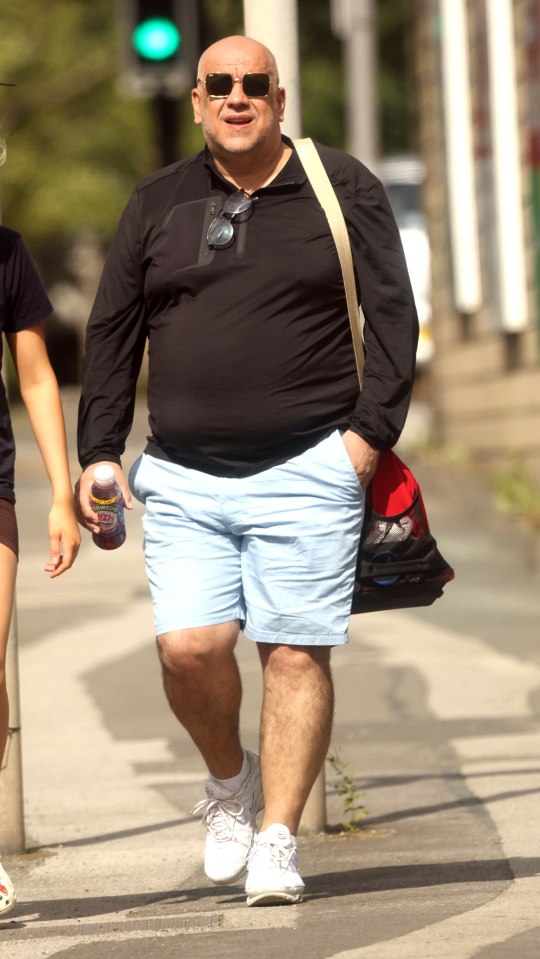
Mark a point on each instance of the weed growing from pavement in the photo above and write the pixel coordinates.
(346, 788)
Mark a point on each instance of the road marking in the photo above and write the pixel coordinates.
(468, 679)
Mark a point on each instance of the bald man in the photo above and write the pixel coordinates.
(261, 446)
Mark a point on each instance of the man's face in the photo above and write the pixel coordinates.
(238, 124)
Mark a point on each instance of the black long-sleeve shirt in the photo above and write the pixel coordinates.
(250, 351)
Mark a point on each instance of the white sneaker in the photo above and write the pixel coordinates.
(7, 893)
(230, 818)
(273, 875)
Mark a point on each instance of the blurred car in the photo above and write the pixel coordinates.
(403, 178)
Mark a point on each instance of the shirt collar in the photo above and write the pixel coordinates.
(292, 174)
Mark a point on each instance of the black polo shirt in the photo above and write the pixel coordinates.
(23, 303)
(250, 351)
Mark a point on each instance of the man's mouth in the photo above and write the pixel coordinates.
(238, 121)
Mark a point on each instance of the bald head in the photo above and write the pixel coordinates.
(240, 51)
(241, 128)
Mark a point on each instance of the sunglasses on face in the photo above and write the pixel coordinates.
(220, 85)
(221, 230)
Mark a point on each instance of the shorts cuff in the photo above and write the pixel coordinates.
(296, 639)
(173, 625)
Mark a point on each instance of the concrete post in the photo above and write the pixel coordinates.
(12, 838)
(314, 817)
(275, 23)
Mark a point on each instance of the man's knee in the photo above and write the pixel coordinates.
(200, 648)
(288, 662)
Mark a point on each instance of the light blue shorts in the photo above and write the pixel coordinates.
(276, 551)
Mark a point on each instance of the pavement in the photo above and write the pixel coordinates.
(437, 724)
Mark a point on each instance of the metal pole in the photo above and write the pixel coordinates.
(361, 65)
(459, 151)
(166, 122)
(354, 21)
(275, 23)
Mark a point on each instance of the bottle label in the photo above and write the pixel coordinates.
(104, 502)
(107, 519)
(109, 513)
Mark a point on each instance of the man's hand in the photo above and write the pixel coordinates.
(83, 510)
(363, 457)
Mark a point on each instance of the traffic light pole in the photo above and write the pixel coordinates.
(167, 127)
(159, 45)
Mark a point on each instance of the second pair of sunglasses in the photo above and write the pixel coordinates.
(220, 85)
(237, 206)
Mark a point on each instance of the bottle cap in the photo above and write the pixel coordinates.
(104, 475)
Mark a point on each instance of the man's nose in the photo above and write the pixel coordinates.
(237, 94)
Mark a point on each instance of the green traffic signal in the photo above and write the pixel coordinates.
(156, 39)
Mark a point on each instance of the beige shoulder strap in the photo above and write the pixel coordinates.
(325, 193)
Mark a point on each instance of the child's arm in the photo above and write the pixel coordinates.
(41, 396)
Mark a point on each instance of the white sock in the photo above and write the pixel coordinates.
(234, 783)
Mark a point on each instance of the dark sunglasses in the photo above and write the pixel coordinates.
(220, 85)
(221, 230)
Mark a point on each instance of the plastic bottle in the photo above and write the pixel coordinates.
(108, 504)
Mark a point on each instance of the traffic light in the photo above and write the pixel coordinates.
(160, 46)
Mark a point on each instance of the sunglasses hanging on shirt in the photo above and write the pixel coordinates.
(221, 230)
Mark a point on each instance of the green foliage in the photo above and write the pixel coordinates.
(346, 788)
(321, 70)
(517, 494)
(321, 75)
(77, 145)
(223, 19)
(322, 114)
(397, 102)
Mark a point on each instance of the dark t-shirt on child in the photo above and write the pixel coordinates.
(23, 303)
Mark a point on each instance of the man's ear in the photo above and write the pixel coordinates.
(281, 103)
(196, 104)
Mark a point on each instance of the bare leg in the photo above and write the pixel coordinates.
(295, 728)
(203, 686)
(8, 571)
